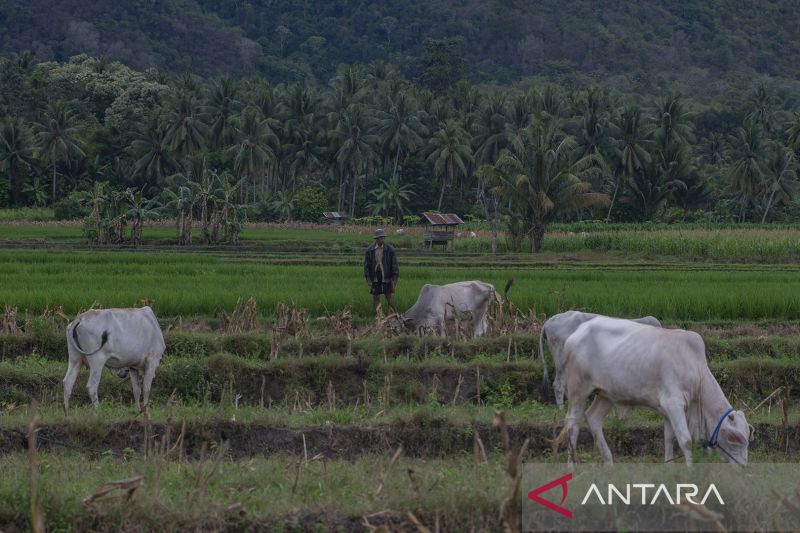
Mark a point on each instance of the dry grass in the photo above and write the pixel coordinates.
(242, 319)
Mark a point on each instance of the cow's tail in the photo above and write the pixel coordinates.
(545, 378)
(73, 338)
(497, 298)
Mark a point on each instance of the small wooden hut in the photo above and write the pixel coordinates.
(439, 228)
(334, 217)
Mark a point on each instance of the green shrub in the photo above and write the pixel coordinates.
(309, 203)
(69, 208)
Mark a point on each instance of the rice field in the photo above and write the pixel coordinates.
(347, 431)
(745, 244)
(196, 284)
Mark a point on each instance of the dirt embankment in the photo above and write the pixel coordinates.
(419, 436)
(341, 382)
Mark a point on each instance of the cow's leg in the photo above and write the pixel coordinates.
(149, 374)
(594, 418)
(73, 370)
(573, 424)
(669, 442)
(676, 416)
(96, 364)
(558, 387)
(137, 391)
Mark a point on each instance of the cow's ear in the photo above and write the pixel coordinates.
(752, 430)
(734, 436)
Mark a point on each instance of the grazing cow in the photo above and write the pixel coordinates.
(664, 369)
(556, 330)
(128, 341)
(437, 302)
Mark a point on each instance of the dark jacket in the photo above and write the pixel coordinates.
(388, 264)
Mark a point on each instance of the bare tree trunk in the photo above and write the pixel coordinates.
(613, 199)
(491, 217)
(396, 160)
(775, 187)
(495, 218)
(537, 236)
(441, 196)
(341, 194)
(214, 234)
(53, 199)
(353, 200)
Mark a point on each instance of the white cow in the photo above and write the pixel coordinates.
(664, 369)
(434, 301)
(128, 341)
(556, 330)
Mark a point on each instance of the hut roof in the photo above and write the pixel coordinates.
(441, 219)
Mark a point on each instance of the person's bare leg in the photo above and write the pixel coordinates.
(376, 303)
(390, 303)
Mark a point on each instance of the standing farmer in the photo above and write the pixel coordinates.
(381, 271)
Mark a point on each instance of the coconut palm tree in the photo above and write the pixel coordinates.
(541, 180)
(222, 105)
(746, 174)
(186, 131)
(390, 197)
(491, 134)
(151, 151)
(399, 127)
(793, 132)
(631, 148)
(762, 108)
(649, 189)
(671, 122)
(354, 147)
(58, 137)
(780, 172)
(253, 152)
(283, 205)
(450, 153)
(306, 152)
(16, 154)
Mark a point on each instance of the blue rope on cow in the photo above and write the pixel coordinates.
(713, 441)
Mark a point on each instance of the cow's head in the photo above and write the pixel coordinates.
(399, 324)
(735, 436)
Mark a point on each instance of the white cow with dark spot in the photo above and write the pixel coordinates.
(626, 363)
(434, 301)
(556, 330)
(128, 341)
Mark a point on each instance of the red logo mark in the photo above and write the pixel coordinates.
(562, 481)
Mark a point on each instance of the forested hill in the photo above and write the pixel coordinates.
(700, 48)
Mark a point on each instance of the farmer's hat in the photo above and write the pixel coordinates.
(378, 233)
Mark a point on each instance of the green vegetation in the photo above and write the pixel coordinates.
(121, 147)
(35, 280)
(334, 487)
(632, 48)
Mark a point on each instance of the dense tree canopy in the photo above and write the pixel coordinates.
(217, 150)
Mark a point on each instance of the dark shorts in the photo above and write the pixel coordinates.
(379, 287)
